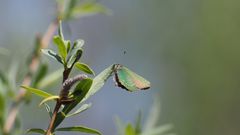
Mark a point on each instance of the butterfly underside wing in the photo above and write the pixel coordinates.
(127, 79)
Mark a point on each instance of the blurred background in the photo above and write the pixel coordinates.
(189, 50)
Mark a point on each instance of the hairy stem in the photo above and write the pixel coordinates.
(33, 65)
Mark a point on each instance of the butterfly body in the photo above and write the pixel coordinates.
(127, 79)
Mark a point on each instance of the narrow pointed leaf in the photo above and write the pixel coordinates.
(62, 50)
(12, 75)
(4, 84)
(80, 129)
(75, 53)
(99, 81)
(78, 43)
(60, 33)
(68, 43)
(83, 108)
(40, 74)
(120, 126)
(138, 126)
(74, 58)
(154, 114)
(48, 99)
(37, 92)
(2, 108)
(60, 117)
(158, 130)
(129, 130)
(84, 67)
(52, 54)
(17, 126)
(3, 77)
(48, 109)
(50, 79)
(70, 5)
(89, 8)
(36, 130)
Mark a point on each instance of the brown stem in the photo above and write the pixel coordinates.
(13, 111)
(54, 116)
(58, 104)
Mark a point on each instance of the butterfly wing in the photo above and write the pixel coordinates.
(129, 80)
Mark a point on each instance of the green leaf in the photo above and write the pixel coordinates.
(12, 75)
(153, 116)
(60, 33)
(61, 12)
(80, 110)
(3, 78)
(99, 81)
(138, 123)
(120, 126)
(70, 5)
(78, 94)
(3, 87)
(52, 54)
(158, 130)
(68, 43)
(3, 83)
(74, 58)
(48, 99)
(36, 130)
(62, 50)
(60, 117)
(80, 129)
(129, 130)
(37, 92)
(2, 109)
(75, 53)
(84, 67)
(48, 109)
(78, 43)
(50, 79)
(42, 70)
(17, 125)
(89, 8)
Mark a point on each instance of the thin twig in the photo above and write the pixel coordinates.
(33, 66)
(66, 73)
(53, 119)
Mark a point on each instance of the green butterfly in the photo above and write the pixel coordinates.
(127, 79)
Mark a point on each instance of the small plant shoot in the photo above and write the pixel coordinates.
(70, 95)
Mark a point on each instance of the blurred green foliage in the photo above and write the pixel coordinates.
(191, 47)
(150, 127)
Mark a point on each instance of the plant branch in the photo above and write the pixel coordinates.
(33, 66)
(58, 104)
(54, 116)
